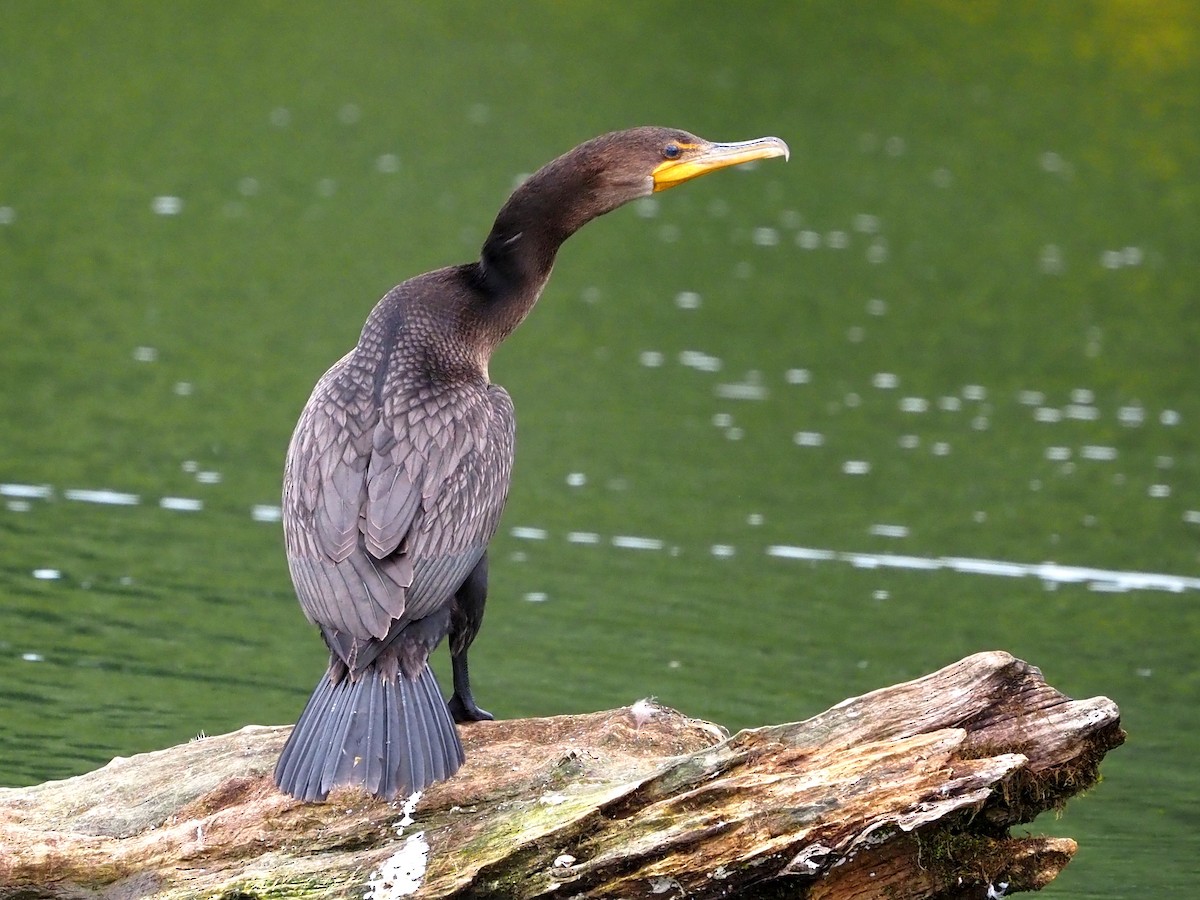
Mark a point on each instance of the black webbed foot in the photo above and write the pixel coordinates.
(467, 710)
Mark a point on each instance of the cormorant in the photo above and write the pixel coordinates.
(399, 467)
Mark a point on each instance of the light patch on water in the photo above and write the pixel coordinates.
(536, 597)
(166, 205)
(914, 404)
(740, 391)
(33, 657)
(526, 533)
(208, 477)
(576, 479)
(387, 163)
(651, 359)
(1169, 418)
(1051, 162)
(1050, 260)
(784, 551)
(1050, 573)
(865, 223)
(765, 236)
(47, 574)
(1081, 412)
(265, 512)
(27, 491)
(808, 240)
(976, 392)
(183, 389)
(479, 113)
(856, 467)
(876, 307)
(700, 361)
(1131, 416)
(110, 498)
(891, 531)
(1058, 454)
(1097, 452)
(181, 504)
(1192, 516)
(754, 519)
(809, 439)
(940, 448)
(723, 551)
(949, 403)
(885, 381)
(646, 207)
(798, 376)
(837, 240)
(8, 215)
(583, 537)
(145, 354)
(687, 300)
(1047, 414)
(349, 113)
(1159, 491)
(629, 542)
(1031, 398)
(1126, 256)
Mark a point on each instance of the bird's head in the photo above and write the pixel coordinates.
(609, 171)
(642, 161)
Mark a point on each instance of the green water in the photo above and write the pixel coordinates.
(963, 321)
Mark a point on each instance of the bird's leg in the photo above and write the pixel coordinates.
(464, 625)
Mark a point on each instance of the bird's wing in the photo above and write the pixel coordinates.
(436, 484)
(388, 507)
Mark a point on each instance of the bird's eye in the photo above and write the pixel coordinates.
(671, 151)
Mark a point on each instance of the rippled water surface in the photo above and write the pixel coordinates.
(786, 435)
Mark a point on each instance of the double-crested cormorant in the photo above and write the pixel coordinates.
(399, 467)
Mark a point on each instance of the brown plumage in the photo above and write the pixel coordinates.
(400, 464)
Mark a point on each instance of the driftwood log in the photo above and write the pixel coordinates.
(906, 792)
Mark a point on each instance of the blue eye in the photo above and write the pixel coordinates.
(671, 151)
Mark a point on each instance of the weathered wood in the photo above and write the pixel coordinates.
(906, 792)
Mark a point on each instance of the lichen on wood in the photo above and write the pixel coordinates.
(906, 792)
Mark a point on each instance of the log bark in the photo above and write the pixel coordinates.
(906, 792)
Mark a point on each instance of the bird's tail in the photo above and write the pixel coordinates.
(390, 735)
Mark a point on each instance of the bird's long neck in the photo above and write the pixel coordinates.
(518, 255)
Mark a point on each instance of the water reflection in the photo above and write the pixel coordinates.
(1050, 573)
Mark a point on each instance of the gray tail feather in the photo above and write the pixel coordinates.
(389, 735)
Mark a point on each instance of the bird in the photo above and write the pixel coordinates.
(399, 467)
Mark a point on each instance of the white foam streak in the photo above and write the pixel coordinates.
(1096, 579)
